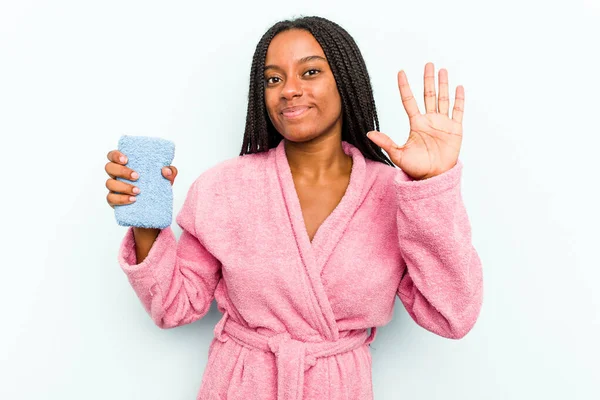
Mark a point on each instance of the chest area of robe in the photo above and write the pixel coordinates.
(281, 277)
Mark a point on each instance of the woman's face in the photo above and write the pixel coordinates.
(301, 95)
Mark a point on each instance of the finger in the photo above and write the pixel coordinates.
(408, 100)
(109, 168)
(384, 141)
(117, 157)
(429, 91)
(443, 99)
(116, 170)
(116, 199)
(170, 173)
(459, 104)
(122, 187)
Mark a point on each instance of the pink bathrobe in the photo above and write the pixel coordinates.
(296, 313)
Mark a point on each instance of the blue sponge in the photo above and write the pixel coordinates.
(153, 207)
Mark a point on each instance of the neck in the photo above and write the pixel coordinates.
(319, 160)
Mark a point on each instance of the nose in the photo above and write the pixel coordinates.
(291, 88)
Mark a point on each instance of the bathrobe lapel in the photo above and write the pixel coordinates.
(315, 255)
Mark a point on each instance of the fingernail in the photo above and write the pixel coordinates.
(136, 190)
(168, 171)
(123, 159)
(132, 198)
(135, 175)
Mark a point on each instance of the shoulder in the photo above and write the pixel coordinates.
(386, 172)
(230, 174)
(220, 194)
(381, 176)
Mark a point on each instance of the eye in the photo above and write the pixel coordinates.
(316, 70)
(268, 79)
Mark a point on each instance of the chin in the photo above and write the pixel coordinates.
(299, 135)
(299, 138)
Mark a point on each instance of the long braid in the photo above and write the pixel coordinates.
(351, 76)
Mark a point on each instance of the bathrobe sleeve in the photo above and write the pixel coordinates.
(176, 281)
(441, 286)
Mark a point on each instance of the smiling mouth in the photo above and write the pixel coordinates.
(296, 113)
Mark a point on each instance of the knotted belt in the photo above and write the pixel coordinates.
(293, 357)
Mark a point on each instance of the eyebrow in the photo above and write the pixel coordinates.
(300, 61)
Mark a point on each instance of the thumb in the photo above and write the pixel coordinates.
(170, 172)
(384, 141)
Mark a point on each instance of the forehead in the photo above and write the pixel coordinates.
(291, 45)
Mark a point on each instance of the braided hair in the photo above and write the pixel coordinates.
(351, 76)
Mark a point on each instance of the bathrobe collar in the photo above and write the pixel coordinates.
(315, 255)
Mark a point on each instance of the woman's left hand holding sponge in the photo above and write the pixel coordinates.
(119, 192)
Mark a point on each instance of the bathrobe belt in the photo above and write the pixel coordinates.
(293, 357)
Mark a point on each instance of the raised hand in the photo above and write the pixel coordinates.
(434, 140)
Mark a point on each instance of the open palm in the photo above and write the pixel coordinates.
(434, 139)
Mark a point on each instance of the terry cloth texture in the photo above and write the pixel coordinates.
(153, 207)
(296, 311)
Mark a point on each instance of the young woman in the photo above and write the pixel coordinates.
(308, 235)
